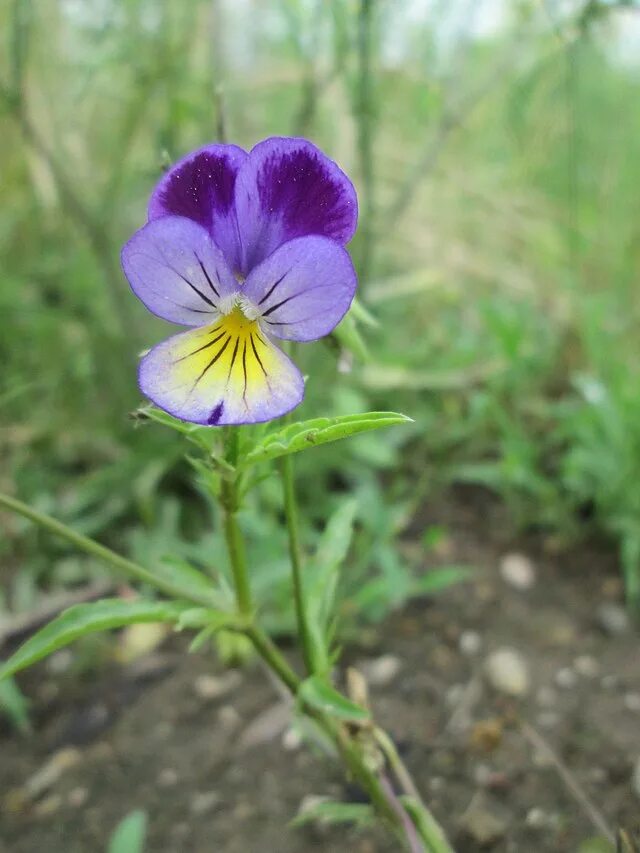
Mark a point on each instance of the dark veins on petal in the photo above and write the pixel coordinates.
(202, 186)
(297, 185)
(216, 414)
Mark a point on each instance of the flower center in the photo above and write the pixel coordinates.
(237, 303)
(235, 322)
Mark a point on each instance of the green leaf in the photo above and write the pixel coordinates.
(300, 436)
(84, 619)
(330, 812)
(363, 315)
(597, 844)
(319, 694)
(15, 705)
(129, 834)
(348, 334)
(436, 580)
(323, 573)
(183, 576)
(203, 617)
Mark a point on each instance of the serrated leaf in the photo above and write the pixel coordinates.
(300, 436)
(84, 619)
(330, 812)
(320, 695)
(129, 835)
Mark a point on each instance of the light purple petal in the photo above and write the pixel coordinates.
(226, 373)
(201, 187)
(288, 188)
(303, 290)
(177, 271)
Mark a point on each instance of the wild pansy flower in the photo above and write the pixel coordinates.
(244, 248)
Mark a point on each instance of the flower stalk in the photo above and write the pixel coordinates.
(295, 556)
(415, 827)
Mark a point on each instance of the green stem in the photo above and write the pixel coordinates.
(272, 656)
(295, 555)
(235, 545)
(427, 826)
(89, 546)
(353, 754)
(230, 499)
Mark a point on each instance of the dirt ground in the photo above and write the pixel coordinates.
(210, 756)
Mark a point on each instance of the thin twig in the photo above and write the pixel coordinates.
(452, 118)
(415, 845)
(580, 796)
(365, 119)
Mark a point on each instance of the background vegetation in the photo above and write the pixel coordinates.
(495, 147)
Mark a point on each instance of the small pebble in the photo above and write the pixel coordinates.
(507, 671)
(632, 701)
(586, 666)
(78, 797)
(436, 784)
(454, 695)
(546, 697)
(209, 687)
(493, 780)
(483, 823)
(612, 618)
(597, 775)
(167, 778)
(470, 643)
(381, 671)
(48, 806)
(229, 718)
(537, 818)
(610, 682)
(548, 719)
(51, 771)
(204, 802)
(542, 758)
(566, 678)
(518, 571)
(292, 740)
(486, 735)
(60, 662)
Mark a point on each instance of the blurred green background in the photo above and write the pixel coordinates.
(496, 151)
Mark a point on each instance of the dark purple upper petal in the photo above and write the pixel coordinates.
(201, 187)
(288, 188)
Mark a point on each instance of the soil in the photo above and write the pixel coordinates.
(215, 766)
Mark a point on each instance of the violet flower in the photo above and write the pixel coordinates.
(244, 248)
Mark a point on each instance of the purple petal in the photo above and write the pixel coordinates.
(288, 188)
(303, 290)
(177, 271)
(226, 373)
(201, 187)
